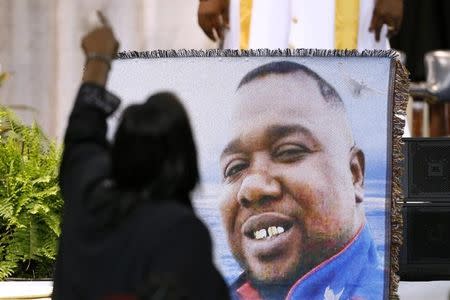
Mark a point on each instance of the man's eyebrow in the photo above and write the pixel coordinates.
(231, 147)
(273, 133)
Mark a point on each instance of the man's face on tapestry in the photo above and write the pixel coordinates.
(292, 178)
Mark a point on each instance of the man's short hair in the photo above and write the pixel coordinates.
(328, 92)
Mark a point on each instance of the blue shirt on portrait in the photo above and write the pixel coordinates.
(354, 273)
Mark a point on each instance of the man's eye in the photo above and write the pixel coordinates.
(290, 152)
(235, 167)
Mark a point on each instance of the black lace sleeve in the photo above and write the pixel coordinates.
(86, 156)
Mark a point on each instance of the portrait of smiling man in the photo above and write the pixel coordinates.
(293, 191)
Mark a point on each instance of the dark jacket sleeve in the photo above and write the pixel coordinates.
(86, 158)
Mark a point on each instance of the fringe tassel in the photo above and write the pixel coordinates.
(256, 52)
(401, 92)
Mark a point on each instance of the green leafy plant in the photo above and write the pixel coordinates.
(30, 201)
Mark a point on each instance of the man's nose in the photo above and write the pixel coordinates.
(258, 189)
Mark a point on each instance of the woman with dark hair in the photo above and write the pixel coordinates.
(129, 231)
(154, 148)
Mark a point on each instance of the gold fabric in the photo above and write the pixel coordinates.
(346, 24)
(245, 18)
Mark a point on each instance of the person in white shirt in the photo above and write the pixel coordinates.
(339, 24)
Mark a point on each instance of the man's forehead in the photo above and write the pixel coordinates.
(293, 98)
(288, 93)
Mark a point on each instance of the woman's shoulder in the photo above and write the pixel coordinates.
(174, 209)
(178, 222)
(171, 212)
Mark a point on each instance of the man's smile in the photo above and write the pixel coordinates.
(267, 234)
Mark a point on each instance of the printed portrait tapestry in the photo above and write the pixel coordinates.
(299, 153)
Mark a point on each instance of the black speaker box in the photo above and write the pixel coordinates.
(425, 254)
(427, 169)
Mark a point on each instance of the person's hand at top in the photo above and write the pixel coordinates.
(99, 46)
(213, 18)
(389, 12)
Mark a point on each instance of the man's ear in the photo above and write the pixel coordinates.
(357, 168)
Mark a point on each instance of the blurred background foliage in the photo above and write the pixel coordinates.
(30, 201)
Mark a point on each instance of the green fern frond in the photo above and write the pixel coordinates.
(30, 201)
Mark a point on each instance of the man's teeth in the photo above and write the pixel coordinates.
(260, 234)
(270, 232)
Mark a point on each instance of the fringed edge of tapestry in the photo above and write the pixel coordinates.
(400, 94)
(255, 53)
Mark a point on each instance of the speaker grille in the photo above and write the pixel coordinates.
(429, 168)
(428, 235)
